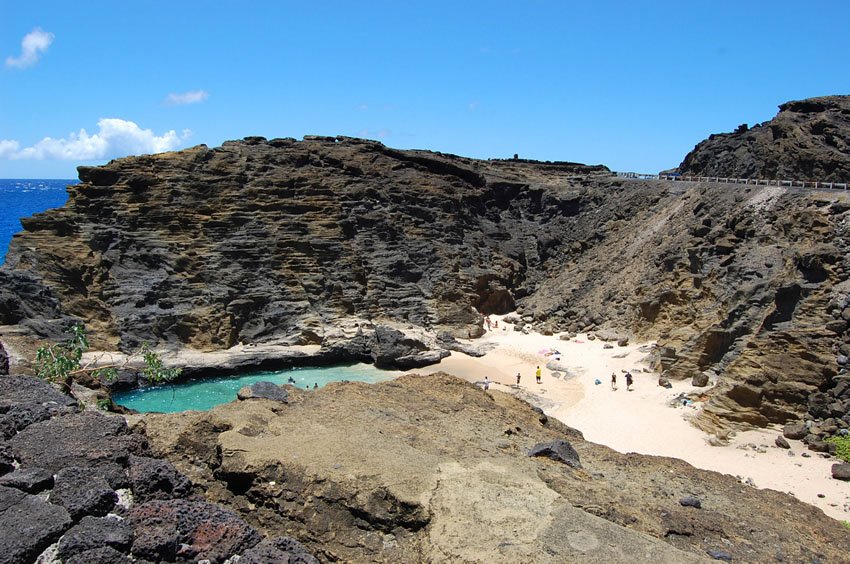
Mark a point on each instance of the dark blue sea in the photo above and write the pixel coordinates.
(22, 198)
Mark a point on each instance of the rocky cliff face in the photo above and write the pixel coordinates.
(432, 469)
(807, 140)
(341, 242)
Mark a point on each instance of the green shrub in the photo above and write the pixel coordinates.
(61, 363)
(842, 446)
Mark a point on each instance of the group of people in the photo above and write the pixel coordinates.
(491, 323)
(629, 381)
(538, 375)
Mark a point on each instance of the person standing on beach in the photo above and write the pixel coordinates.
(614, 381)
(537, 375)
(629, 381)
(517, 378)
(486, 382)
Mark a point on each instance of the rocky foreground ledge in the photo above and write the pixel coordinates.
(77, 486)
(431, 468)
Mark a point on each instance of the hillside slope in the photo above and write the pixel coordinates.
(807, 140)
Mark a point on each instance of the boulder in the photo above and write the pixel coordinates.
(26, 390)
(31, 480)
(82, 494)
(393, 349)
(151, 478)
(700, 380)
(664, 383)
(795, 431)
(841, 471)
(622, 341)
(781, 442)
(690, 501)
(263, 390)
(28, 525)
(95, 532)
(86, 439)
(559, 450)
(192, 530)
(156, 542)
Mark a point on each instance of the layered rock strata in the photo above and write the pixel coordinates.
(431, 468)
(392, 257)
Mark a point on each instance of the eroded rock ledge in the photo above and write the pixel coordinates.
(431, 468)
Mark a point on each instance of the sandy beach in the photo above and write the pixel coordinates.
(641, 420)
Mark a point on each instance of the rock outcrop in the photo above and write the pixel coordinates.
(79, 485)
(385, 256)
(432, 468)
(807, 140)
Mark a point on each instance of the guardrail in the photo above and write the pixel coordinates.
(751, 181)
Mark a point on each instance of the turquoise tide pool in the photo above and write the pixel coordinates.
(201, 394)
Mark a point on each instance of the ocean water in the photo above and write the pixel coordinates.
(22, 198)
(201, 394)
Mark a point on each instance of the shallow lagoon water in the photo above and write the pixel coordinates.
(201, 394)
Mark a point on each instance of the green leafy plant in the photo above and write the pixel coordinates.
(846, 524)
(60, 363)
(842, 446)
(104, 404)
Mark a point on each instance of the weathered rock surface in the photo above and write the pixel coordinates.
(430, 468)
(92, 455)
(338, 243)
(841, 471)
(203, 531)
(807, 140)
(263, 390)
(28, 525)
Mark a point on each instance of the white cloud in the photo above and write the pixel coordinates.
(33, 45)
(183, 98)
(8, 148)
(115, 138)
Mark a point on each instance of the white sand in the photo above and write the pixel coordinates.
(641, 420)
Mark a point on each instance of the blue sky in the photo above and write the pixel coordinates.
(633, 85)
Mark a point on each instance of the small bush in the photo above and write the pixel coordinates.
(842, 447)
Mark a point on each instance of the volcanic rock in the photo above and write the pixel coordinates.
(151, 478)
(280, 549)
(263, 390)
(31, 480)
(421, 469)
(560, 451)
(188, 529)
(796, 430)
(807, 140)
(87, 439)
(841, 471)
(335, 243)
(28, 525)
(81, 493)
(96, 532)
